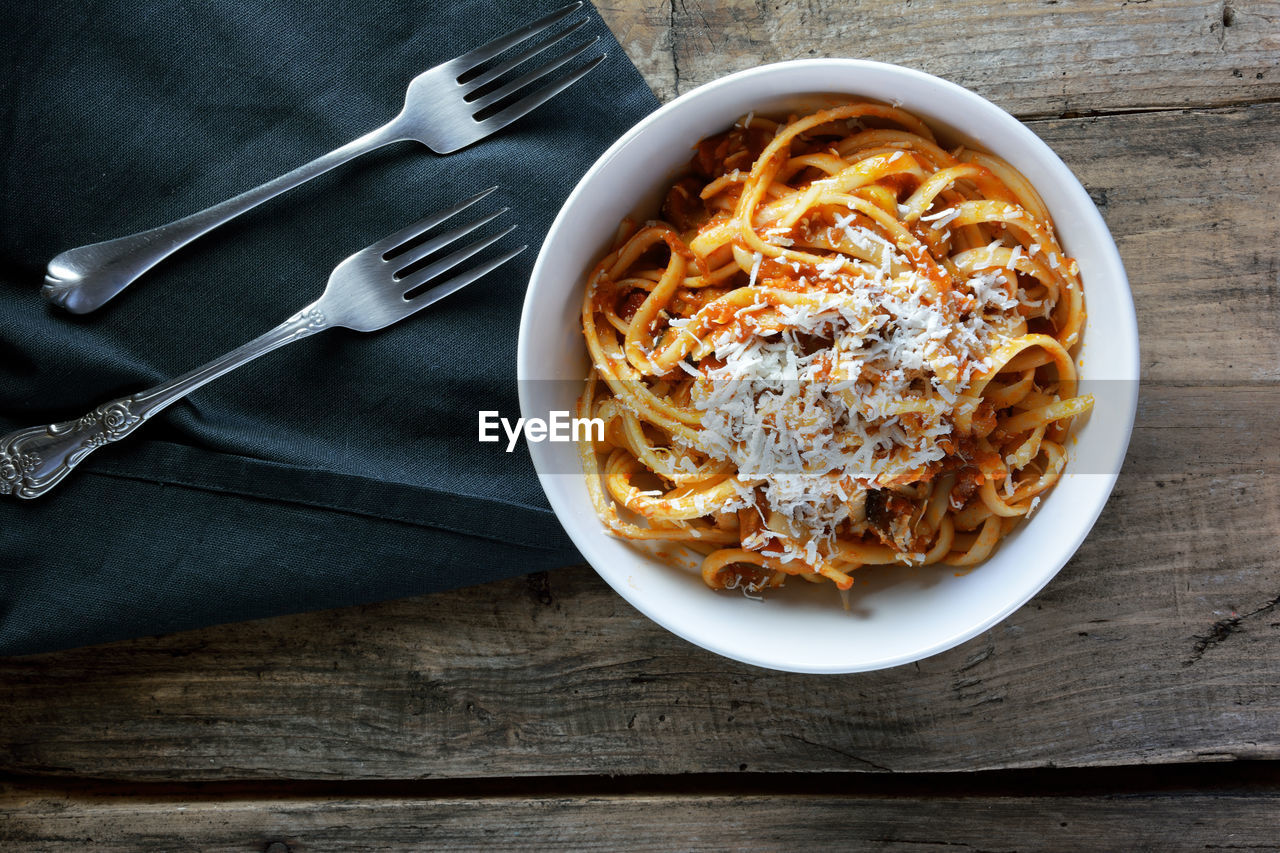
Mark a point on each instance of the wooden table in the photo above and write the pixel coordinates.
(1133, 704)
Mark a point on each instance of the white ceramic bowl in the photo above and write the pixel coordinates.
(899, 615)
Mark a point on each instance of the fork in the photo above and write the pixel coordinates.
(370, 290)
(445, 109)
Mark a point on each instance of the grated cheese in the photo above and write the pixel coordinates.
(815, 428)
(942, 218)
(1014, 256)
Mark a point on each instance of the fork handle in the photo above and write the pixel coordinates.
(84, 278)
(34, 460)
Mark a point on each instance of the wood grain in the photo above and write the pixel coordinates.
(1188, 197)
(1157, 643)
(41, 821)
(1050, 57)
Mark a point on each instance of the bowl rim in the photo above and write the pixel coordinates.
(1110, 263)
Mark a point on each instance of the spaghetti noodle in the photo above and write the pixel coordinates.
(842, 345)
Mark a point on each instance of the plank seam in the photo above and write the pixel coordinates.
(1225, 778)
(1068, 115)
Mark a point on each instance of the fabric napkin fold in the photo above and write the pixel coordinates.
(339, 470)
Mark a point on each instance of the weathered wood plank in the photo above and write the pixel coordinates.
(1053, 57)
(1167, 822)
(1157, 643)
(1189, 197)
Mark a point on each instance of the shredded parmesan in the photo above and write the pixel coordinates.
(942, 218)
(1014, 256)
(816, 427)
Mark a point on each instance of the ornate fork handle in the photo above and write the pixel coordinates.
(34, 460)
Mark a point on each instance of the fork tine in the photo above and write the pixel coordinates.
(443, 265)
(460, 281)
(530, 102)
(497, 71)
(468, 61)
(386, 247)
(404, 260)
(536, 74)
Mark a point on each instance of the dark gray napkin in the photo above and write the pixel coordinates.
(339, 470)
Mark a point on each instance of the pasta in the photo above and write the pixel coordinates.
(842, 345)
